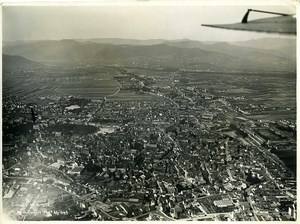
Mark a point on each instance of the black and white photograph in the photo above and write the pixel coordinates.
(149, 111)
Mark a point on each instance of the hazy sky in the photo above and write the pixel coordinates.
(134, 22)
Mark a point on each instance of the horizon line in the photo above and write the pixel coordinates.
(120, 38)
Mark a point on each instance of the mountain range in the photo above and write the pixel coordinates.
(277, 54)
(17, 63)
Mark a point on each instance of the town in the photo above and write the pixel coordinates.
(164, 145)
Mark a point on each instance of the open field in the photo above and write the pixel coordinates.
(87, 85)
(125, 95)
(90, 88)
(276, 92)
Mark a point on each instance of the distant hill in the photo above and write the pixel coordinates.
(267, 43)
(250, 53)
(14, 63)
(184, 54)
(283, 46)
(120, 41)
(276, 46)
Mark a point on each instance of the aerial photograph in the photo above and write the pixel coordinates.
(149, 112)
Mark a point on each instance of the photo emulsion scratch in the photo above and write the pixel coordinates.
(176, 113)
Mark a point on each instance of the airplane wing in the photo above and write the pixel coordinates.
(284, 24)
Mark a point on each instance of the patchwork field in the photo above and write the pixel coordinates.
(275, 92)
(88, 86)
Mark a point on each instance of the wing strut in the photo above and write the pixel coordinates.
(245, 18)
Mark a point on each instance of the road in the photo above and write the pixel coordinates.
(162, 95)
(18, 177)
(250, 202)
(31, 206)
